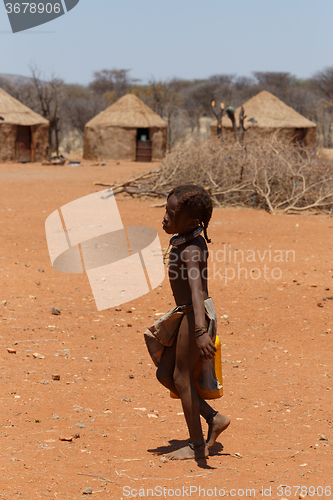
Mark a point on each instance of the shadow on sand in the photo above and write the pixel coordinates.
(175, 444)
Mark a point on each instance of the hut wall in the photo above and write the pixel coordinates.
(311, 137)
(41, 141)
(286, 135)
(8, 142)
(8, 134)
(110, 143)
(290, 135)
(158, 136)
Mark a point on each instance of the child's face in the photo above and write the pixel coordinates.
(185, 223)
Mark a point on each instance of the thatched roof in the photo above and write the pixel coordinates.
(16, 113)
(269, 113)
(128, 111)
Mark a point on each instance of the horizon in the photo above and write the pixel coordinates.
(167, 80)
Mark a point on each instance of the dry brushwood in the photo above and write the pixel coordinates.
(265, 173)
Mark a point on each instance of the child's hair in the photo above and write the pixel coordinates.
(196, 201)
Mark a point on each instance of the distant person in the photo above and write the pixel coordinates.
(187, 332)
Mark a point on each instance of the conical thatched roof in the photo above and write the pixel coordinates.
(128, 111)
(16, 113)
(269, 113)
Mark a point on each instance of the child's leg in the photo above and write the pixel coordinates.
(217, 422)
(187, 355)
(165, 375)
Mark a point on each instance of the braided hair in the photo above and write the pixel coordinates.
(194, 200)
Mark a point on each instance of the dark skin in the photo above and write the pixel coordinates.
(188, 280)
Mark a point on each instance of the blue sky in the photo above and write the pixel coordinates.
(175, 38)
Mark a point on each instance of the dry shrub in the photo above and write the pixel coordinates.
(263, 173)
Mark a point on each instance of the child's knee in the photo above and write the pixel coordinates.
(181, 381)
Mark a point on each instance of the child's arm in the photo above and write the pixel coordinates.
(204, 342)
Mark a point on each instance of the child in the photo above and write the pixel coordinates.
(178, 339)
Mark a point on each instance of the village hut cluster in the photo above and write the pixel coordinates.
(129, 130)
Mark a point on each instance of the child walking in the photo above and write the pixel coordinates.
(178, 340)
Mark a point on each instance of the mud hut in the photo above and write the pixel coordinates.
(24, 134)
(266, 115)
(126, 130)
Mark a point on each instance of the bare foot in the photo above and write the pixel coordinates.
(219, 424)
(187, 453)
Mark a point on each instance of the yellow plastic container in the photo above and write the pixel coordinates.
(218, 372)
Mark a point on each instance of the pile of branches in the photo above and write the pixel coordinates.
(267, 174)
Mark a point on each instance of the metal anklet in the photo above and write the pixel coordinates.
(195, 446)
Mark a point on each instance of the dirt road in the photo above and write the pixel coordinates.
(270, 275)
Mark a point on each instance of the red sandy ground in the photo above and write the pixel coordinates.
(276, 351)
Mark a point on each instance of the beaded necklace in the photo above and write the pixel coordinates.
(177, 240)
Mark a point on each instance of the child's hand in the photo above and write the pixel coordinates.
(206, 346)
